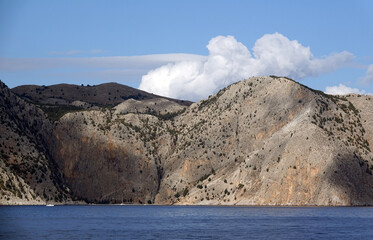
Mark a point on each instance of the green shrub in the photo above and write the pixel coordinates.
(55, 112)
(186, 191)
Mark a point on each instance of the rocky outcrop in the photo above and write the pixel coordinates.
(262, 141)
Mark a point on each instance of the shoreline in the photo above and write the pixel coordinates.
(186, 205)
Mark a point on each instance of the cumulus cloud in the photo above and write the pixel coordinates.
(342, 90)
(230, 61)
(368, 78)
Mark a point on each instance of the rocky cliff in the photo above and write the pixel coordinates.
(271, 141)
(262, 141)
(27, 173)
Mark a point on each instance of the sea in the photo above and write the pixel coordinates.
(184, 222)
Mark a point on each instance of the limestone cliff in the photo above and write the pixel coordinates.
(271, 141)
(262, 141)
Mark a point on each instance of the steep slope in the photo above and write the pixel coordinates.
(270, 141)
(26, 173)
(265, 140)
(262, 141)
(114, 155)
(364, 105)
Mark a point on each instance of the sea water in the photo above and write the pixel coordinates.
(185, 222)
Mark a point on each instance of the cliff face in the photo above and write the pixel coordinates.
(109, 158)
(271, 141)
(27, 174)
(262, 141)
(115, 155)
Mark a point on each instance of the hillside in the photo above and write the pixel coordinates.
(107, 94)
(262, 141)
(27, 174)
(271, 141)
(56, 100)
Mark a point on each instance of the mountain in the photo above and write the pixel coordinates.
(107, 94)
(56, 100)
(262, 141)
(272, 141)
(27, 173)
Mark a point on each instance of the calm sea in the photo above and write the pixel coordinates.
(185, 222)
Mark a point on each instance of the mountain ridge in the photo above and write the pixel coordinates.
(105, 94)
(261, 141)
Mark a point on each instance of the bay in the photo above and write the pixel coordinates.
(184, 222)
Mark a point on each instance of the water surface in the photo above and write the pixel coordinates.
(185, 222)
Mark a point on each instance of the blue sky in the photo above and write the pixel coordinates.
(92, 42)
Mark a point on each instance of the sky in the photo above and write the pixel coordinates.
(187, 49)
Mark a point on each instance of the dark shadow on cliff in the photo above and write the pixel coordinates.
(353, 176)
(102, 169)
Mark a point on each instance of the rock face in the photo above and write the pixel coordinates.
(271, 141)
(115, 155)
(262, 141)
(27, 174)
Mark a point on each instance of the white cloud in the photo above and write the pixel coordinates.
(230, 61)
(368, 78)
(342, 90)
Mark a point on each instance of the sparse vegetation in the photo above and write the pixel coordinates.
(248, 140)
(55, 112)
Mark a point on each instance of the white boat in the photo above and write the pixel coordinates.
(49, 205)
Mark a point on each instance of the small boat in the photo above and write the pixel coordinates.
(49, 205)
